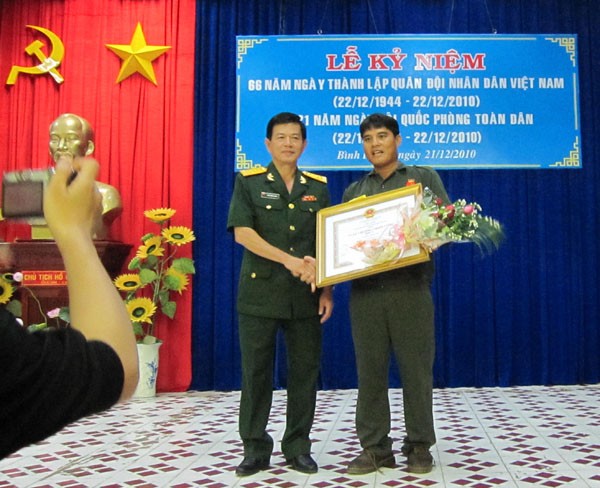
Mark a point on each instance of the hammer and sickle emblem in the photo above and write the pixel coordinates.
(48, 64)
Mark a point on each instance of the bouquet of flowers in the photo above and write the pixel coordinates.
(432, 224)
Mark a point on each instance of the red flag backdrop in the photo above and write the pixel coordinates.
(144, 132)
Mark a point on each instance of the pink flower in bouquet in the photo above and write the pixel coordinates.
(54, 313)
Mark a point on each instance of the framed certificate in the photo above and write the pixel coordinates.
(365, 236)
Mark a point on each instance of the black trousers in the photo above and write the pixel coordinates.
(258, 336)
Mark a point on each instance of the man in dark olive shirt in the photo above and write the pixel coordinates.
(49, 379)
(393, 310)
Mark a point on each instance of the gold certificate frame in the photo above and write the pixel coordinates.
(341, 229)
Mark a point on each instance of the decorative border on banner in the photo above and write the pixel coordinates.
(573, 160)
(240, 158)
(243, 45)
(569, 44)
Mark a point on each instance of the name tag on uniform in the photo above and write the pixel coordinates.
(270, 196)
(309, 198)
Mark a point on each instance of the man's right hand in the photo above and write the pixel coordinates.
(304, 269)
(297, 267)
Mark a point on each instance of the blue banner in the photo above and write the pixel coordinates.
(462, 101)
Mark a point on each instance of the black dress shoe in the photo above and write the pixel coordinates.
(251, 465)
(304, 463)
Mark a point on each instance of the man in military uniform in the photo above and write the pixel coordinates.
(393, 311)
(273, 215)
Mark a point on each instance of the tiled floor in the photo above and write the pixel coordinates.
(498, 437)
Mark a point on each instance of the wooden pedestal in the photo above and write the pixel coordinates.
(43, 255)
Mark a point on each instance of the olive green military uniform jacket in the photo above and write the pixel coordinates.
(285, 220)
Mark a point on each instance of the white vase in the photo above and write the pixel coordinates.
(148, 367)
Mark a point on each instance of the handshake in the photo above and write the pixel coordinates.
(305, 269)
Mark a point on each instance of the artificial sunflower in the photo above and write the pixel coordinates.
(128, 282)
(154, 274)
(151, 247)
(159, 215)
(176, 280)
(178, 235)
(6, 291)
(141, 309)
(10, 277)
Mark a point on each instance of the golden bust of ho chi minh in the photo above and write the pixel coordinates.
(73, 136)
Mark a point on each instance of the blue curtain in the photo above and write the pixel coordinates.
(528, 314)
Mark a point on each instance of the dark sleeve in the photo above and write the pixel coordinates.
(350, 192)
(431, 179)
(49, 379)
(241, 212)
(437, 186)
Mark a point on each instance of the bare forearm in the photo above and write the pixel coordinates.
(96, 307)
(71, 206)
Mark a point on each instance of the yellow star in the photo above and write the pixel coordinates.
(137, 56)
